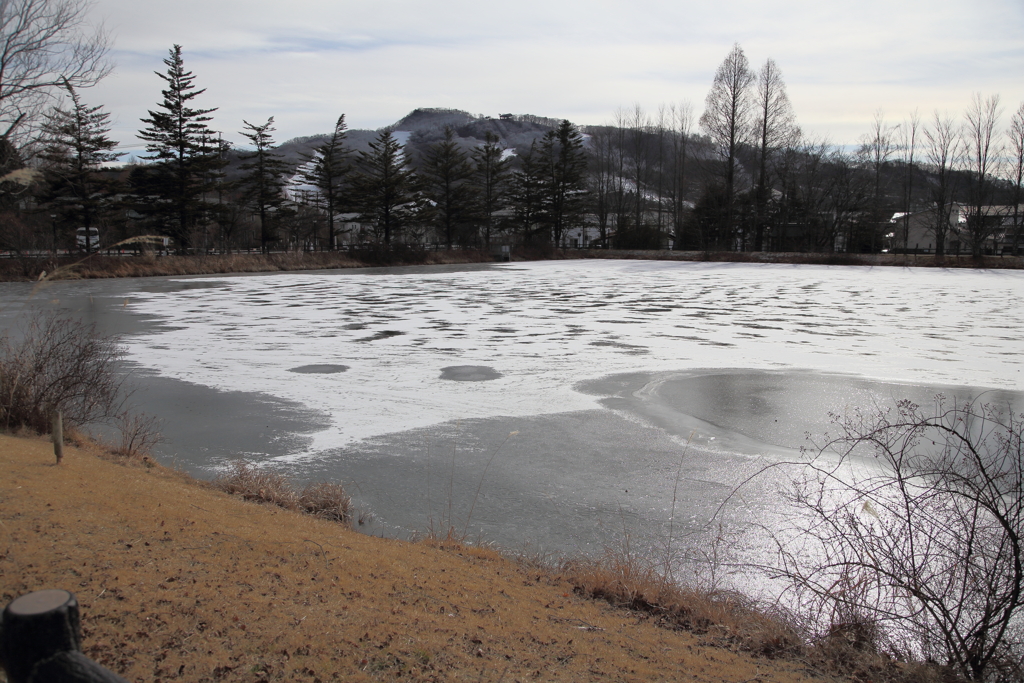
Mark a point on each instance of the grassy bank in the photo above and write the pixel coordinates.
(178, 581)
(99, 266)
(834, 259)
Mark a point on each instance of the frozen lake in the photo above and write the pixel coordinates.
(583, 379)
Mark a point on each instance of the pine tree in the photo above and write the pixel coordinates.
(491, 181)
(327, 170)
(75, 148)
(445, 177)
(527, 194)
(383, 186)
(565, 170)
(263, 182)
(176, 137)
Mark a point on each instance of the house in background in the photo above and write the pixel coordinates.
(914, 233)
(1003, 231)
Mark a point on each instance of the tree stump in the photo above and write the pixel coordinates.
(41, 640)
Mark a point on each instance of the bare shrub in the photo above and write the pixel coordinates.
(321, 499)
(253, 483)
(328, 501)
(137, 433)
(908, 537)
(59, 364)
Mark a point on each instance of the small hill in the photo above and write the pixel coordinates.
(425, 126)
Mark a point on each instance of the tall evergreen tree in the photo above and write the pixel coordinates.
(383, 186)
(75, 148)
(446, 176)
(263, 182)
(175, 137)
(527, 194)
(490, 178)
(328, 170)
(565, 170)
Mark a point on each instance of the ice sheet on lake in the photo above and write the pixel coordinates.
(545, 326)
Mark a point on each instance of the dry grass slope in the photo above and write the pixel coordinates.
(178, 581)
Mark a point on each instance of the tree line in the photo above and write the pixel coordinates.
(740, 177)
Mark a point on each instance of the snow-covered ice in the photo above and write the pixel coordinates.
(543, 327)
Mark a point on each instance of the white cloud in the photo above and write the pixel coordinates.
(306, 62)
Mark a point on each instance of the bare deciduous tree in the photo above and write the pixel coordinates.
(981, 157)
(906, 141)
(640, 168)
(910, 529)
(45, 45)
(728, 109)
(775, 128)
(602, 178)
(59, 364)
(681, 116)
(876, 151)
(1016, 135)
(944, 148)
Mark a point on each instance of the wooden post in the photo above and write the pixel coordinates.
(58, 435)
(41, 640)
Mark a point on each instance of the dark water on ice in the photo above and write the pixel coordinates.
(581, 481)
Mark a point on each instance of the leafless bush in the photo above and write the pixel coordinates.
(326, 500)
(59, 364)
(137, 434)
(909, 537)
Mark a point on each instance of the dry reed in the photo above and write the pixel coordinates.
(322, 499)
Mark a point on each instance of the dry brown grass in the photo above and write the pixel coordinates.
(181, 582)
(245, 479)
(728, 619)
(326, 500)
(99, 266)
(724, 618)
(833, 259)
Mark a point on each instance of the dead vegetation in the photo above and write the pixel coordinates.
(732, 621)
(801, 258)
(58, 364)
(325, 500)
(725, 618)
(146, 265)
(180, 582)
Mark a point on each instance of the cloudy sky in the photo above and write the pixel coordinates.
(307, 61)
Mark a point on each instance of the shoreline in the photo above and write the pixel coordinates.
(99, 266)
(179, 581)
